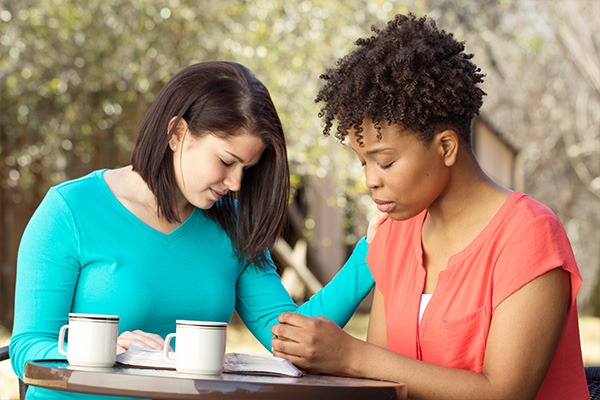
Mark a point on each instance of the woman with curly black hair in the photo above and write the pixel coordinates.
(476, 284)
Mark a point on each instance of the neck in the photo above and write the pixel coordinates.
(469, 198)
(135, 195)
(148, 199)
(140, 190)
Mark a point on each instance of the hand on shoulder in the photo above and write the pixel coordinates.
(374, 225)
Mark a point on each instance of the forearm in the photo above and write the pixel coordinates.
(26, 347)
(424, 380)
(261, 297)
(47, 273)
(319, 345)
(339, 299)
(520, 346)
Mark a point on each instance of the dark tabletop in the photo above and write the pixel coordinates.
(169, 384)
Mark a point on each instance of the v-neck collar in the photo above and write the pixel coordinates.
(488, 230)
(167, 237)
(453, 261)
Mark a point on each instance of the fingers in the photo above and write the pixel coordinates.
(374, 225)
(286, 336)
(296, 327)
(299, 362)
(292, 318)
(378, 219)
(287, 347)
(141, 339)
(297, 338)
(297, 353)
(299, 320)
(292, 325)
(315, 344)
(287, 332)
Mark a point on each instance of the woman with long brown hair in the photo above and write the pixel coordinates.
(181, 233)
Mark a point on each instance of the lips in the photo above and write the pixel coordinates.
(217, 195)
(384, 206)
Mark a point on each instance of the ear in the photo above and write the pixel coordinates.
(448, 145)
(178, 134)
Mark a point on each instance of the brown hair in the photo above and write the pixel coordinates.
(220, 98)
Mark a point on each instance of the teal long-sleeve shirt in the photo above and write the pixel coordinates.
(84, 252)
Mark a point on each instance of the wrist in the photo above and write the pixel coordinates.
(355, 357)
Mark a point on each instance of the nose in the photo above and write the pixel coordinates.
(233, 180)
(372, 179)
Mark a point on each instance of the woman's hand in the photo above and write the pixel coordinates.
(374, 225)
(315, 344)
(140, 339)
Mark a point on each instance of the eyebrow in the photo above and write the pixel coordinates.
(236, 157)
(378, 150)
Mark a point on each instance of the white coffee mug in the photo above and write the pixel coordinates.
(92, 340)
(200, 347)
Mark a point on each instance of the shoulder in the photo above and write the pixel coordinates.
(56, 213)
(80, 186)
(529, 241)
(89, 191)
(524, 208)
(527, 219)
(72, 195)
(526, 224)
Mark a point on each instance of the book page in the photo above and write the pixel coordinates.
(238, 363)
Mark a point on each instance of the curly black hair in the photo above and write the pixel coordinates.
(410, 74)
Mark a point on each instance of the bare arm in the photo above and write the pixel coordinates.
(377, 333)
(523, 336)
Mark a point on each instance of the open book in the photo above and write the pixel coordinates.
(237, 363)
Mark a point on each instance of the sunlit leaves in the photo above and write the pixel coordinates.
(76, 78)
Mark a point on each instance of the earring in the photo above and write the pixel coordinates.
(174, 146)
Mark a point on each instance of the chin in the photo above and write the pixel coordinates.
(395, 216)
(205, 205)
(401, 215)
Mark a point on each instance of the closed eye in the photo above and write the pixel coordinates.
(386, 166)
(226, 164)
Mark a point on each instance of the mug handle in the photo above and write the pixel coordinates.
(166, 347)
(61, 340)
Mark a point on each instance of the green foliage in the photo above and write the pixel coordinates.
(78, 77)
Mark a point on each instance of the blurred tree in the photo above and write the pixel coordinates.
(78, 77)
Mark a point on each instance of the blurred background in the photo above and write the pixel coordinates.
(76, 79)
